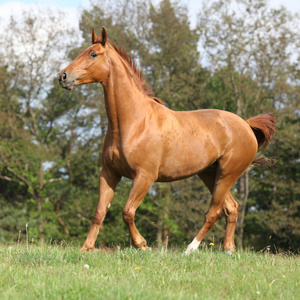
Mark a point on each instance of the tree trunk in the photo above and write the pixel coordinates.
(243, 186)
(38, 200)
(159, 231)
(162, 223)
(166, 217)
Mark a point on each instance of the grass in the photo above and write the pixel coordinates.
(59, 272)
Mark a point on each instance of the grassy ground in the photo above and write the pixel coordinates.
(62, 272)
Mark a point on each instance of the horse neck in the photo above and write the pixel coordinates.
(124, 100)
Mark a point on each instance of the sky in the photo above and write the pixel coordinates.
(71, 6)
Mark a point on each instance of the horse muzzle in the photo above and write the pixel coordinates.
(65, 81)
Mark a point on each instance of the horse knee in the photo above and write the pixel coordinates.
(98, 218)
(128, 216)
(231, 212)
(212, 216)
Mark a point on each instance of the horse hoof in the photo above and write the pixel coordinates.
(229, 252)
(87, 248)
(192, 247)
(188, 251)
(145, 248)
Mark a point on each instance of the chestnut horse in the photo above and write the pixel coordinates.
(148, 142)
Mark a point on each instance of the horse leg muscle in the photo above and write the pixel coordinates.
(139, 189)
(107, 184)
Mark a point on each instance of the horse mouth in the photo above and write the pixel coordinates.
(67, 85)
(66, 81)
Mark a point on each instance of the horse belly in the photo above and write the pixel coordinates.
(185, 161)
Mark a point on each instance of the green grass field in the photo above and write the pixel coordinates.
(62, 272)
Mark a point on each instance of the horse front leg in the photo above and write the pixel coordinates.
(107, 184)
(139, 189)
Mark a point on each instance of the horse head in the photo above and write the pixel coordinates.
(90, 66)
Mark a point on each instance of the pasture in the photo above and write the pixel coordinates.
(63, 272)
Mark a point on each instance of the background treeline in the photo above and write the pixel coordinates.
(243, 56)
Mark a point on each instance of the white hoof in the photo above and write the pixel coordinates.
(192, 247)
(229, 252)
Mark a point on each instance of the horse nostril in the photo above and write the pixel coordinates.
(63, 77)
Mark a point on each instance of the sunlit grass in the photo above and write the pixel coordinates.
(62, 272)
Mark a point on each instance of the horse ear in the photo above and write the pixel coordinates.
(94, 37)
(103, 36)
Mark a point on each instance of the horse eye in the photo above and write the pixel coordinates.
(93, 54)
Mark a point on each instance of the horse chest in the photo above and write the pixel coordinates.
(116, 159)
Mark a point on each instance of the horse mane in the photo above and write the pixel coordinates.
(136, 72)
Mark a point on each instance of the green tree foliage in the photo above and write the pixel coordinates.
(273, 217)
(172, 41)
(38, 119)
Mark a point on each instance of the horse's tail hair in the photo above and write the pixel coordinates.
(264, 127)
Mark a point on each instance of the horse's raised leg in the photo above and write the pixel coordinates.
(219, 185)
(107, 184)
(139, 189)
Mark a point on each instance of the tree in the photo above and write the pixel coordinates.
(12, 214)
(273, 219)
(171, 60)
(32, 118)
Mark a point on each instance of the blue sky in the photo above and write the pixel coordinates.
(8, 7)
(292, 4)
(54, 3)
(194, 5)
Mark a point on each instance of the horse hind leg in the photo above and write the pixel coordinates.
(209, 178)
(219, 185)
(231, 210)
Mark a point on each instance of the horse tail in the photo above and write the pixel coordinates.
(264, 127)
